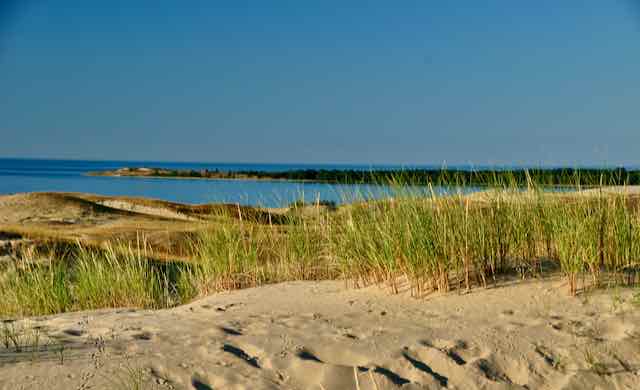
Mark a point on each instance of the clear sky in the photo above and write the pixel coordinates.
(401, 82)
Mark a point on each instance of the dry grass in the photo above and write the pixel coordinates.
(436, 243)
(440, 242)
(83, 278)
(247, 254)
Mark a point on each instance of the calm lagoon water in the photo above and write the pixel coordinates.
(30, 175)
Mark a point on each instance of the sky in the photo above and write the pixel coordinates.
(489, 82)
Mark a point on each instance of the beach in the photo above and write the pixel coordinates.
(295, 330)
(512, 336)
(326, 196)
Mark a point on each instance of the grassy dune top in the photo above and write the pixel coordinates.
(483, 177)
(97, 252)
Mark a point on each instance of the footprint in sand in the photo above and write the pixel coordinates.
(74, 332)
(305, 354)
(221, 308)
(422, 366)
(230, 331)
(457, 350)
(549, 357)
(459, 364)
(500, 369)
(199, 384)
(144, 336)
(491, 371)
(333, 370)
(241, 354)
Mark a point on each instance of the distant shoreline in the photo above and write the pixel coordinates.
(569, 177)
(178, 174)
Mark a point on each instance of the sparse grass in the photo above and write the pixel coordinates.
(34, 289)
(431, 241)
(593, 361)
(131, 377)
(85, 279)
(121, 277)
(247, 254)
(617, 301)
(440, 242)
(20, 339)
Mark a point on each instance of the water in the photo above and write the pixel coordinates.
(30, 175)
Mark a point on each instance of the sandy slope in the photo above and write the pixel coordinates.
(308, 335)
(142, 209)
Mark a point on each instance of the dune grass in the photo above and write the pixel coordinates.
(246, 254)
(35, 289)
(417, 238)
(438, 242)
(118, 276)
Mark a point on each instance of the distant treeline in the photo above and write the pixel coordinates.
(483, 177)
(520, 177)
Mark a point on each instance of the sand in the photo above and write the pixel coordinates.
(307, 335)
(142, 209)
(321, 335)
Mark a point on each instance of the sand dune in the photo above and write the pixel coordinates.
(308, 335)
(142, 209)
(53, 208)
(96, 219)
(319, 335)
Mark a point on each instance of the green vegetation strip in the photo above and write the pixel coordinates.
(485, 177)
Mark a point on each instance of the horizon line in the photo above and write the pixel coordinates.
(443, 165)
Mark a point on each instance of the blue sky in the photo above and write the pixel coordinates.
(411, 82)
